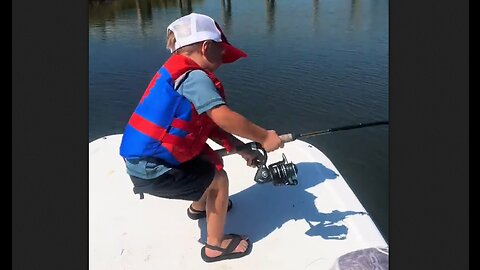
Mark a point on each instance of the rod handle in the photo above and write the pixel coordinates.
(254, 145)
(250, 146)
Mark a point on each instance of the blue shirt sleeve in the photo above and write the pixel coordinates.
(200, 90)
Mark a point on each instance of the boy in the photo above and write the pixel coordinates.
(164, 143)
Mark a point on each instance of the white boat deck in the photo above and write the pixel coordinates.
(307, 226)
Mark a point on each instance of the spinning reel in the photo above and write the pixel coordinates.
(280, 173)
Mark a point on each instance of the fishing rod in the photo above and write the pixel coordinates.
(282, 172)
(289, 137)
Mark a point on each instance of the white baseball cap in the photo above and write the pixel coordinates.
(196, 27)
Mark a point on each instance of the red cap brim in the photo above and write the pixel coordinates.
(231, 54)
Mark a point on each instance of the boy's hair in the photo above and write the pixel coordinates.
(170, 40)
(171, 44)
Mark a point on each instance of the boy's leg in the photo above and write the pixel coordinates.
(200, 205)
(217, 203)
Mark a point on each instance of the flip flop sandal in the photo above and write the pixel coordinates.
(227, 253)
(195, 214)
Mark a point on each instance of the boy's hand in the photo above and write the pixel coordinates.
(250, 156)
(272, 141)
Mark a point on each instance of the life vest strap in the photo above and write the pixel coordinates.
(172, 139)
(182, 124)
(146, 127)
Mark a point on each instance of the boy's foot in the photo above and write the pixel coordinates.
(198, 214)
(233, 246)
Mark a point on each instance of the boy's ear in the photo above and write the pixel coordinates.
(204, 46)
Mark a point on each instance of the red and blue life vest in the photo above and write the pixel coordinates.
(165, 124)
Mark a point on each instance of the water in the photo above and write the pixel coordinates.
(312, 65)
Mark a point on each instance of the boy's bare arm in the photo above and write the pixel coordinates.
(236, 142)
(234, 123)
